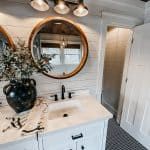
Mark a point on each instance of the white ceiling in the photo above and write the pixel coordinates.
(132, 2)
(134, 8)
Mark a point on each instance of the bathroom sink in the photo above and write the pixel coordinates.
(64, 109)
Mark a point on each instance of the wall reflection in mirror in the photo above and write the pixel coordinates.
(3, 44)
(60, 41)
(5, 41)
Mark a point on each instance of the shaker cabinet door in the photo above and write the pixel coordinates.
(21, 145)
(90, 143)
(58, 141)
(61, 145)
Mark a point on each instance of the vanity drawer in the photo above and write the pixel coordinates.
(87, 131)
(76, 133)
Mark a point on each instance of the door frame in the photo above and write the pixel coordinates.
(117, 20)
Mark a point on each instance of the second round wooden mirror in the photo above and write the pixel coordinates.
(64, 41)
(5, 40)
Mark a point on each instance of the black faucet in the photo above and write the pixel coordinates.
(63, 92)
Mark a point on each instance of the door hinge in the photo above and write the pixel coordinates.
(132, 40)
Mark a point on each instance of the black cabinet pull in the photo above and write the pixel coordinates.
(75, 137)
(82, 147)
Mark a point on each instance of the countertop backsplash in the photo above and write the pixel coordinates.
(3, 101)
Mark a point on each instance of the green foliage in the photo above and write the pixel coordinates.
(19, 64)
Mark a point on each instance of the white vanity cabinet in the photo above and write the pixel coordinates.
(90, 143)
(27, 144)
(57, 141)
(59, 146)
(91, 136)
(86, 137)
(85, 130)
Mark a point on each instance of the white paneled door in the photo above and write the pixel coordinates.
(136, 111)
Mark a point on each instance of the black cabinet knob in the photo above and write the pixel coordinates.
(55, 97)
(70, 94)
(82, 147)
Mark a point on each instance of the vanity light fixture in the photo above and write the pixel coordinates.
(61, 7)
(40, 5)
(81, 10)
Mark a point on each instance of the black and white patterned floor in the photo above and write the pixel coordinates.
(118, 139)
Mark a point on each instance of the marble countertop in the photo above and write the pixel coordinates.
(92, 110)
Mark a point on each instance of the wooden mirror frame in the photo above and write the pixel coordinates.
(40, 25)
(7, 36)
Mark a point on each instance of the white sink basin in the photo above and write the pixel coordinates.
(64, 109)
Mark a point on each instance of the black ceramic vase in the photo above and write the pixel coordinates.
(21, 94)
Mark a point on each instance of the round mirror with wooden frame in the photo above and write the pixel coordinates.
(5, 40)
(62, 43)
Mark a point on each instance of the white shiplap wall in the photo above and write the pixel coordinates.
(19, 19)
(147, 12)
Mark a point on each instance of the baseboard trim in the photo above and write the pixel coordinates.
(109, 107)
